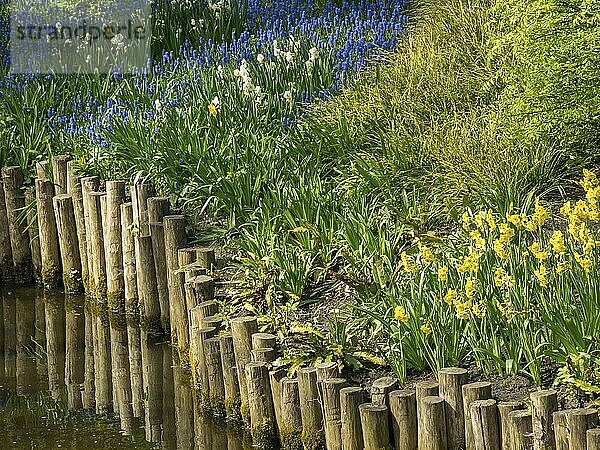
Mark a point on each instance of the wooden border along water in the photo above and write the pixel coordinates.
(144, 284)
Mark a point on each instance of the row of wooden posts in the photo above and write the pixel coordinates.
(132, 259)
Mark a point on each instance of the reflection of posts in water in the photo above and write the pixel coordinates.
(169, 436)
(102, 365)
(89, 389)
(55, 342)
(115, 287)
(10, 340)
(40, 335)
(152, 361)
(184, 406)
(2, 372)
(132, 310)
(25, 320)
(75, 358)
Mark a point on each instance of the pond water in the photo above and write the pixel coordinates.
(70, 379)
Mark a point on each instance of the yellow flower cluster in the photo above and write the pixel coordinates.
(450, 296)
(477, 239)
(426, 253)
(400, 314)
(470, 288)
(406, 263)
(425, 329)
(558, 242)
(502, 279)
(540, 214)
(584, 261)
(541, 275)
(506, 312)
(536, 251)
(506, 233)
(470, 263)
(443, 274)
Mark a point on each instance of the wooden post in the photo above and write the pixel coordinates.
(132, 310)
(49, 249)
(325, 370)
(199, 357)
(175, 238)
(6, 259)
(201, 289)
(424, 389)
(275, 377)
(214, 371)
(471, 393)
(206, 258)
(310, 408)
(451, 381)
(561, 429)
(158, 207)
(332, 413)
(184, 406)
(42, 169)
(89, 185)
(291, 420)
(140, 193)
(485, 424)
(432, 434)
(350, 400)
(32, 230)
(579, 422)
(543, 405)
(260, 404)
(115, 281)
(504, 409)
(95, 236)
(59, 173)
(593, 439)
(77, 194)
(230, 377)
(263, 340)
(69, 246)
(266, 355)
(12, 178)
(147, 289)
(520, 430)
(375, 426)
(403, 406)
(381, 389)
(185, 257)
(242, 329)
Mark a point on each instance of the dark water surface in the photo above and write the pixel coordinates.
(70, 378)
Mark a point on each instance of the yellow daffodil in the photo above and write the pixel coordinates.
(541, 275)
(426, 253)
(540, 214)
(500, 249)
(443, 274)
(470, 288)
(558, 242)
(400, 314)
(450, 296)
(212, 109)
(425, 329)
(477, 239)
(536, 250)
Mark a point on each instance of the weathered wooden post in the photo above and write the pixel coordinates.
(504, 409)
(49, 248)
(88, 185)
(424, 389)
(520, 430)
(140, 193)
(242, 329)
(375, 426)
(403, 406)
(147, 289)
(34, 235)
(260, 404)
(543, 405)
(69, 245)
(350, 400)
(158, 207)
(291, 421)
(485, 424)
(12, 178)
(310, 408)
(471, 393)
(432, 431)
(206, 258)
(332, 414)
(75, 189)
(6, 259)
(214, 373)
(175, 238)
(561, 429)
(275, 377)
(95, 239)
(451, 380)
(230, 376)
(593, 439)
(59, 173)
(579, 422)
(381, 388)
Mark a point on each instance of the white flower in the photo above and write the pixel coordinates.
(287, 95)
(289, 56)
(313, 54)
(260, 58)
(236, 72)
(157, 105)
(193, 22)
(215, 101)
(309, 66)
